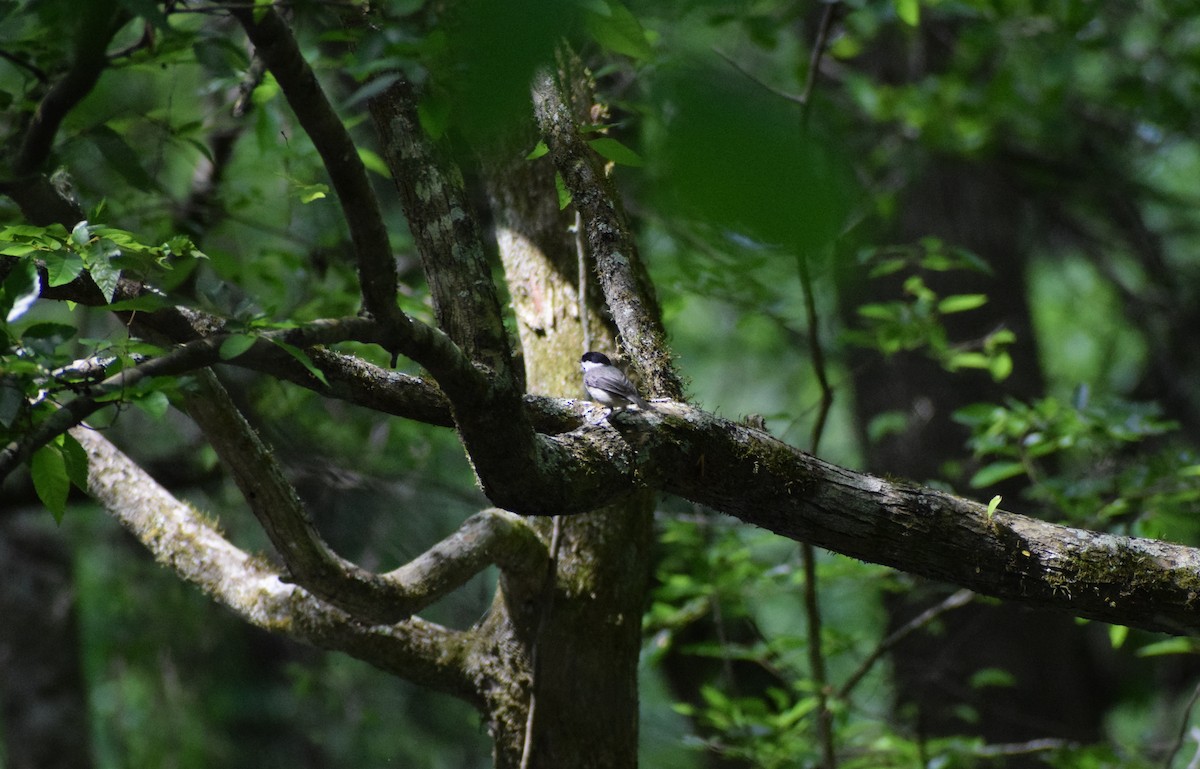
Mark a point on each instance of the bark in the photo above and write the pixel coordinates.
(581, 705)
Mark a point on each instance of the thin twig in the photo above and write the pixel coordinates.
(1183, 728)
(756, 79)
(814, 61)
(812, 608)
(956, 600)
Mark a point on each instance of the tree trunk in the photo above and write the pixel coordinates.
(584, 635)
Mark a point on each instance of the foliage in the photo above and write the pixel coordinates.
(1082, 461)
(1075, 104)
(916, 321)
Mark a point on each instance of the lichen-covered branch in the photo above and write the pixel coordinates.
(184, 540)
(611, 243)
(311, 563)
(751, 475)
(439, 214)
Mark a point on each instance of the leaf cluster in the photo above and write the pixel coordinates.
(1099, 462)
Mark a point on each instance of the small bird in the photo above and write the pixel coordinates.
(607, 385)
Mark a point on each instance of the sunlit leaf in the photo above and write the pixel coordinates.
(374, 163)
(909, 11)
(1179, 645)
(306, 361)
(961, 303)
(996, 472)
(613, 150)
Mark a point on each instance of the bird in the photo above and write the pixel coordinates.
(607, 385)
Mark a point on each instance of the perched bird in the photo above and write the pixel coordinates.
(606, 384)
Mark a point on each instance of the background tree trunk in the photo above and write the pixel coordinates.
(45, 706)
(970, 205)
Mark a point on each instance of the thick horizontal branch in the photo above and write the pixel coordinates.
(750, 475)
(182, 539)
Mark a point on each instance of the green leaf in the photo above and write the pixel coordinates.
(564, 194)
(992, 677)
(75, 459)
(155, 404)
(887, 267)
(236, 345)
(105, 275)
(17, 249)
(538, 150)
(996, 472)
(961, 303)
(611, 149)
(306, 361)
(62, 267)
(1117, 635)
(374, 163)
(1001, 366)
(992, 506)
(877, 311)
(909, 12)
(312, 192)
(619, 31)
(1169, 646)
(968, 360)
(887, 423)
(50, 480)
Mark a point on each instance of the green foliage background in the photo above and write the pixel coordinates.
(1078, 104)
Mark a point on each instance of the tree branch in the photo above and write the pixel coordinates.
(748, 474)
(96, 26)
(626, 285)
(311, 563)
(440, 217)
(277, 47)
(183, 540)
(196, 354)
